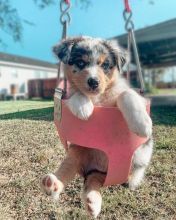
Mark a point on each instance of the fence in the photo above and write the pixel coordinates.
(43, 88)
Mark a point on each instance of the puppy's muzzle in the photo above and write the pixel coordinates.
(93, 83)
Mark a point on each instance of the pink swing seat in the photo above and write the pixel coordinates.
(105, 130)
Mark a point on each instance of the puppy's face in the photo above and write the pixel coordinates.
(91, 64)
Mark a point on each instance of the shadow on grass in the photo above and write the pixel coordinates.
(164, 115)
(161, 115)
(43, 114)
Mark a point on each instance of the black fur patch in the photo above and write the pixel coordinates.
(76, 56)
(72, 52)
(62, 52)
(112, 54)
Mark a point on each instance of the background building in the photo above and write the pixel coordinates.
(16, 71)
(157, 51)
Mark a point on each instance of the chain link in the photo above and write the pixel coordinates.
(64, 9)
(136, 57)
(128, 21)
(65, 20)
(129, 52)
(129, 26)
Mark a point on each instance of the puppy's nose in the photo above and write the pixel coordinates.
(93, 83)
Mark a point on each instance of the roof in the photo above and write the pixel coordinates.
(5, 57)
(156, 44)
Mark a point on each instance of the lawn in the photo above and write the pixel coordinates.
(162, 92)
(29, 148)
(7, 107)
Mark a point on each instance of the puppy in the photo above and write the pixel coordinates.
(93, 69)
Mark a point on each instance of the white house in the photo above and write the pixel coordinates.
(15, 71)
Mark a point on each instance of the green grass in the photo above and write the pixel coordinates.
(29, 148)
(156, 91)
(7, 107)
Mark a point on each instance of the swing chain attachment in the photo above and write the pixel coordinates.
(128, 21)
(65, 20)
(58, 103)
(60, 93)
(129, 26)
(65, 17)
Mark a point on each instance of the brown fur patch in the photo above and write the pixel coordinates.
(78, 81)
(101, 59)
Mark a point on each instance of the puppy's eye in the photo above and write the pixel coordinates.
(106, 65)
(80, 64)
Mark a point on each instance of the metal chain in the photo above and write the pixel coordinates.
(65, 20)
(136, 56)
(128, 22)
(129, 51)
(64, 9)
(129, 26)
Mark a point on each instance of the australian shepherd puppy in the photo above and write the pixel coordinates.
(93, 69)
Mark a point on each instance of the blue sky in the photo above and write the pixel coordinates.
(102, 19)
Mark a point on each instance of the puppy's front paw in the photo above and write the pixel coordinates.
(93, 201)
(80, 106)
(133, 108)
(141, 124)
(51, 185)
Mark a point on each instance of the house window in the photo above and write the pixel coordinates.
(37, 74)
(41, 74)
(14, 74)
(45, 74)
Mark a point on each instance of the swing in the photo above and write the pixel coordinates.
(117, 142)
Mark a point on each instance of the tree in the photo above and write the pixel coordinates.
(11, 22)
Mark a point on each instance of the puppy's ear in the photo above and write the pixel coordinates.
(63, 49)
(121, 55)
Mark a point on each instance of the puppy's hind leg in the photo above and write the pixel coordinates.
(141, 159)
(53, 184)
(91, 194)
